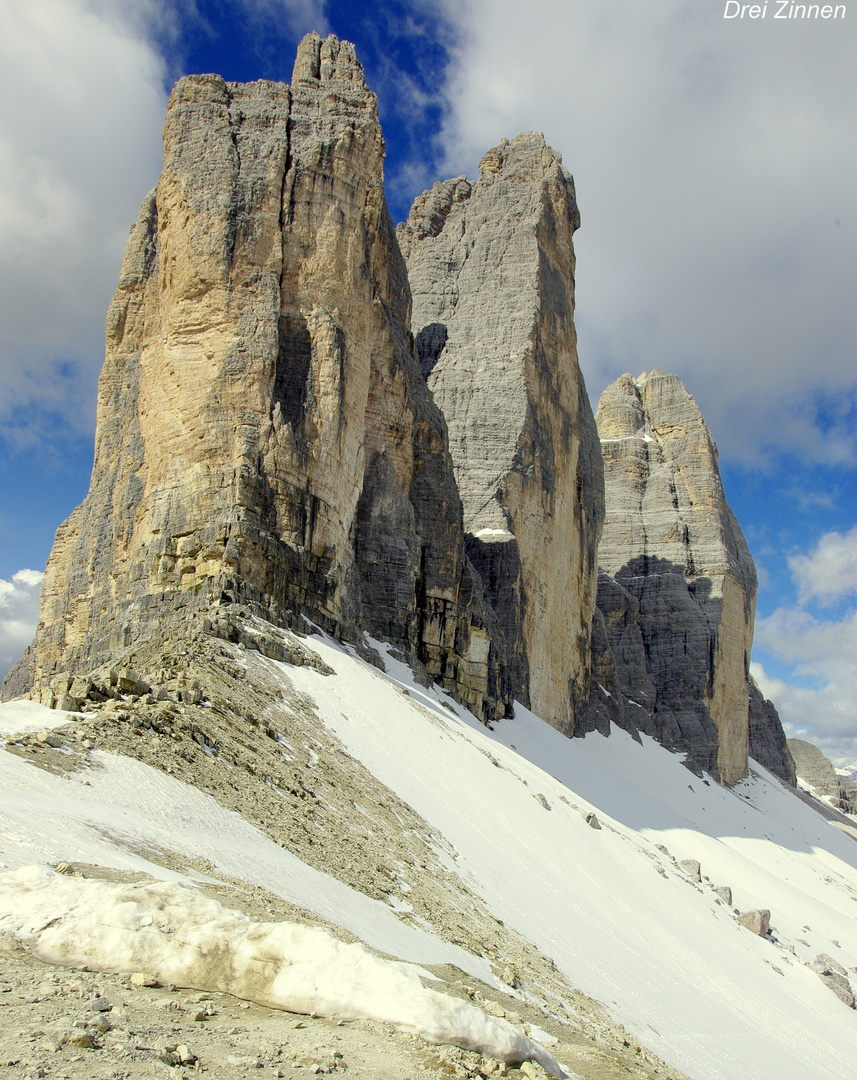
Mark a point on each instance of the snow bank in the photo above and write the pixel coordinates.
(20, 716)
(112, 814)
(181, 937)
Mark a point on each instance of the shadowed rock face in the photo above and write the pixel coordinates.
(491, 266)
(264, 434)
(768, 744)
(672, 543)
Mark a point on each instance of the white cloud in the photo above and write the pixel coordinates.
(829, 572)
(79, 146)
(84, 88)
(19, 615)
(714, 169)
(818, 700)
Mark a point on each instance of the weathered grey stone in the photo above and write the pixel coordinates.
(725, 894)
(835, 978)
(818, 772)
(682, 646)
(758, 921)
(826, 965)
(692, 868)
(491, 266)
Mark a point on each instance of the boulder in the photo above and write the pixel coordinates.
(758, 921)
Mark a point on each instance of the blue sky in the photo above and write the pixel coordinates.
(715, 165)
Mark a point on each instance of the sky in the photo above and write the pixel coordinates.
(715, 164)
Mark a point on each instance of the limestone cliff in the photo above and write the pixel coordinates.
(491, 267)
(278, 436)
(682, 638)
(264, 434)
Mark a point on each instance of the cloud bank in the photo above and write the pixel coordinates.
(714, 170)
(19, 615)
(818, 700)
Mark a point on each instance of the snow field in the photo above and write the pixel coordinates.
(661, 952)
(617, 915)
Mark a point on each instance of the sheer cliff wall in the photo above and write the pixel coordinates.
(491, 266)
(679, 590)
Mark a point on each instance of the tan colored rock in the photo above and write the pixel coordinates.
(264, 435)
(491, 266)
(757, 921)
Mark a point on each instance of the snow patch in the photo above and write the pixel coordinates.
(178, 936)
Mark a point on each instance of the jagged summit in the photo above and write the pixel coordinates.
(327, 60)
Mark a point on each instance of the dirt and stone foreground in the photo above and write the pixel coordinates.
(217, 714)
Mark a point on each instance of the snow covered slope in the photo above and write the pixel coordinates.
(611, 907)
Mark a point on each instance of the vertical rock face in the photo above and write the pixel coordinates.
(264, 434)
(671, 541)
(274, 431)
(491, 267)
(768, 744)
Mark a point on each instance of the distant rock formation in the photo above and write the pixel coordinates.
(679, 588)
(817, 771)
(491, 267)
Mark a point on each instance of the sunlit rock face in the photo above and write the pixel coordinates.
(672, 543)
(264, 434)
(491, 266)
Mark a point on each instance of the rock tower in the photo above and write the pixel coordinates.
(265, 436)
(491, 266)
(679, 592)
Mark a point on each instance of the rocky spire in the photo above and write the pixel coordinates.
(264, 435)
(680, 597)
(491, 266)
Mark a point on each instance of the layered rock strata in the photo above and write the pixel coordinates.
(264, 434)
(680, 597)
(491, 267)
